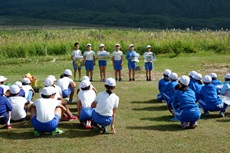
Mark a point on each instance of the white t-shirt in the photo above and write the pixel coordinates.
(76, 53)
(86, 97)
(64, 83)
(147, 54)
(117, 55)
(17, 104)
(106, 103)
(45, 109)
(27, 88)
(89, 55)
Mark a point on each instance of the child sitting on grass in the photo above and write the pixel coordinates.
(91, 86)
(29, 91)
(5, 112)
(162, 84)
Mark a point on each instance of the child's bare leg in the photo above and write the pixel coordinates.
(119, 73)
(33, 112)
(104, 71)
(130, 73)
(101, 70)
(74, 74)
(115, 73)
(71, 94)
(87, 73)
(91, 73)
(79, 73)
(133, 74)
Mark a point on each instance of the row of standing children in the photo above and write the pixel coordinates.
(117, 61)
(181, 95)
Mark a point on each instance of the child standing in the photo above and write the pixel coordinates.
(75, 54)
(89, 59)
(102, 62)
(131, 63)
(148, 58)
(117, 62)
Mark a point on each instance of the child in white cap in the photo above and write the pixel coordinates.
(5, 112)
(215, 80)
(184, 104)
(163, 83)
(18, 103)
(29, 91)
(76, 53)
(67, 85)
(209, 100)
(197, 85)
(22, 92)
(226, 86)
(105, 106)
(117, 62)
(4, 89)
(46, 113)
(102, 62)
(191, 75)
(131, 63)
(89, 59)
(148, 59)
(85, 99)
(91, 86)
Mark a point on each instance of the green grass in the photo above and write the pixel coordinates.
(142, 124)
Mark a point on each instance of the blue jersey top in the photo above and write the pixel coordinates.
(184, 99)
(209, 95)
(226, 88)
(130, 54)
(162, 85)
(1, 91)
(169, 89)
(196, 87)
(192, 81)
(4, 105)
(216, 82)
(22, 93)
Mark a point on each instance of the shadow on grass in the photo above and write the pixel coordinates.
(159, 119)
(165, 127)
(151, 108)
(153, 101)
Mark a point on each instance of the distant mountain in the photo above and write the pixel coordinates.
(160, 14)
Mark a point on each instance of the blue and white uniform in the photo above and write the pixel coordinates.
(148, 63)
(169, 91)
(89, 63)
(100, 61)
(5, 107)
(196, 87)
(117, 60)
(75, 54)
(226, 89)
(64, 84)
(131, 64)
(161, 87)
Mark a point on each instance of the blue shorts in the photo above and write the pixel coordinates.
(102, 63)
(85, 114)
(117, 65)
(188, 114)
(101, 120)
(75, 67)
(132, 65)
(4, 118)
(89, 66)
(66, 93)
(30, 95)
(148, 66)
(45, 127)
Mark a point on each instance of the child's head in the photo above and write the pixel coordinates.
(101, 47)
(26, 81)
(18, 83)
(2, 80)
(85, 85)
(110, 84)
(14, 90)
(198, 77)
(214, 76)
(85, 78)
(173, 76)
(48, 92)
(166, 74)
(227, 77)
(88, 47)
(184, 82)
(192, 73)
(67, 73)
(117, 47)
(131, 47)
(177, 87)
(76, 45)
(148, 48)
(207, 79)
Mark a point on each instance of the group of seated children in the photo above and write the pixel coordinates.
(89, 60)
(46, 111)
(182, 95)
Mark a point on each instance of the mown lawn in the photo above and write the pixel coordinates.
(143, 124)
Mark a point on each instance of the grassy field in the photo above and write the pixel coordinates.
(142, 125)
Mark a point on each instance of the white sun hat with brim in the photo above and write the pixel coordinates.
(207, 79)
(148, 46)
(48, 91)
(197, 76)
(3, 79)
(88, 45)
(192, 73)
(117, 45)
(184, 80)
(131, 45)
(101, 45)
(167, 72)
(173, 76)
(26, 80)
(18, 83)
(110, 82)
(85, 83)
(14, 89)
(49, 81)
(213, 75)
(53, 77)
(68, 72)
(85, 78)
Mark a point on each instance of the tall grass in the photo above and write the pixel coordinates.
(43, 42)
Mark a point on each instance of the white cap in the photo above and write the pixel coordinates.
(85, 78)
(131, 45)
(2, 78)
(49, 81)
(192, 73)
(101, 45)
(14, 89)
(68, 72)
(148, 46)
(18, 83)
(213, 75)
(207, 79)
(184, 80)
(88, 45)
(197, 76)
(227, 76)
(173, 76)
(26, 80)
(117, 45)
(110, 82)
(85, 83)
(167, 72)
(48, 91)
(53, 77)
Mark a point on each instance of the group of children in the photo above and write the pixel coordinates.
(89, 60)
(184, 95)
(46, 111)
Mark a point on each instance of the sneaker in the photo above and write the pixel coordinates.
(206, 114)
(56, 131)
(130, 79)
(71, 101)
(133, 79)
(88, 124)
(103, 80)
(72, 118)
(66, 117)
(116, 79)
(193, 124)
(37, 134)
(147, 79)
(184, 125)
(8, 126)
(222, 114)
(120, 79)
(91, 80)
(104, 130)
(150, 79)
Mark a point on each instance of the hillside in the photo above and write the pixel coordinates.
(162, 14)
